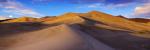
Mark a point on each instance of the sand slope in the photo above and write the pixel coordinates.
(60, 37)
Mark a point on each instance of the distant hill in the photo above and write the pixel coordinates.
(23, 19)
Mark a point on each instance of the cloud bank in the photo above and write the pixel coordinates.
(17, 8)
(143, 10)
(93, 1)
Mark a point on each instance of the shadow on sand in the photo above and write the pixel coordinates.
(119, 39)
(8, 29)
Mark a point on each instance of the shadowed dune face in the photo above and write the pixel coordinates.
(44, 19)
(15, 28)
(119, 39)
(140, 20)
(74, 31)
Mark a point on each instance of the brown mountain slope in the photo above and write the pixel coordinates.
(68, 18)
(140, 20)
(48, 18)
(122, 16)
(148, 23)
(116, 21)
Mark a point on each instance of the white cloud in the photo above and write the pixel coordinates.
(3, 18)
(100, 5)
(142, 11)
(22, 12)
(11, 4)
(14, 7)
(94, 5)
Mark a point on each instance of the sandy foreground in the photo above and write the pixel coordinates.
(60, 37)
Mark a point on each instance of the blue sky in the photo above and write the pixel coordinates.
(39, 8)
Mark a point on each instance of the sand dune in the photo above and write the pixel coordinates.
(74, 31)
(59, 37)
(68, 18)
